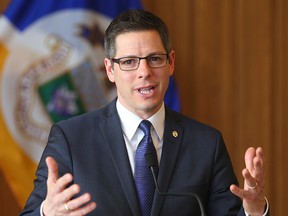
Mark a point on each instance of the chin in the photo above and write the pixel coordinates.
(150, 107)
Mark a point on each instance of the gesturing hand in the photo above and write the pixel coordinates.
(59, 197)
(253, 192)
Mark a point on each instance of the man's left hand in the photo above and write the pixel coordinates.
(253, 192)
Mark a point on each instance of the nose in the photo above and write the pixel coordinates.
(144, 69)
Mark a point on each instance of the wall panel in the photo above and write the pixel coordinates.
(235, 77)
(8, 204)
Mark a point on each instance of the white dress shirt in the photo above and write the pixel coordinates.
(133, 135)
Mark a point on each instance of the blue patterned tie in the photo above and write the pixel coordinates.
(143, 177)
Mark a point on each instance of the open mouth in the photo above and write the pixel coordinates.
(146, 91)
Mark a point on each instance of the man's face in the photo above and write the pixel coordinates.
(141, 90)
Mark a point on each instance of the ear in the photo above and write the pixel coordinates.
(171, 62)
(109, 69)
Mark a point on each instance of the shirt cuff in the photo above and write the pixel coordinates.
(266, 208)
(41, 209)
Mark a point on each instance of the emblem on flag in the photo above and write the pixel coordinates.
(60, 74)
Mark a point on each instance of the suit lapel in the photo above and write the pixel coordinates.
(111, 129)
(170, 151)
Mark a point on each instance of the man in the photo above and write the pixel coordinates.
(93, 159)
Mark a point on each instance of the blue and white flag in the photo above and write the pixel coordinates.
(51, 68)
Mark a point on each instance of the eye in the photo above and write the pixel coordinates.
(155, 58)
(128, 61)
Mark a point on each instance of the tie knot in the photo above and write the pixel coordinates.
(145, 126)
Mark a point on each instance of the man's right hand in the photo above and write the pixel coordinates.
(59, 198)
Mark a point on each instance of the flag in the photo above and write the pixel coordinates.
(172, 98)
(51, 68)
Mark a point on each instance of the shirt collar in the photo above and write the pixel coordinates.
(130, 121)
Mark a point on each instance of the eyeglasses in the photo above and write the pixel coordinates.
(132, 63)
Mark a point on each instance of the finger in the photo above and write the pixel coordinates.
(250, 181)
(237, 191)
(63, 182)
(260, 156)
(52, 170)
(70, 192)
(259, 166)
(242, 194)
(84, 210)
(58, 184)
(258, 172)
(79, 201)
(249, 155)
(260, 152)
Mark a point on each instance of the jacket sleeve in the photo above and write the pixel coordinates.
(56, 147)
(222, 176)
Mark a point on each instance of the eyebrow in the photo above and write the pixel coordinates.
(153, 53)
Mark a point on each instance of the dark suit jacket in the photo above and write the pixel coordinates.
(92, 148)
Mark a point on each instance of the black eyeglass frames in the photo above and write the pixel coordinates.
(130, 63)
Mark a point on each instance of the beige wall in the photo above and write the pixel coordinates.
(231, 70)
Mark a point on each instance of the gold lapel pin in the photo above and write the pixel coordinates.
(175, 134)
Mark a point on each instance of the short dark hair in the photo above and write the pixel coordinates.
(132, 21)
